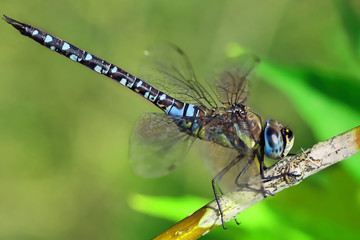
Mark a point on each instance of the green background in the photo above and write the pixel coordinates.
(64, 129)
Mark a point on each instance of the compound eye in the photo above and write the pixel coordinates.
(274, 145)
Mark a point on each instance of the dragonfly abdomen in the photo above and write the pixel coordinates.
(165, 102)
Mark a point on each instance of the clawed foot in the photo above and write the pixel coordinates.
(287, 176)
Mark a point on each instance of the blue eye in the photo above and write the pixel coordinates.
(274, 144)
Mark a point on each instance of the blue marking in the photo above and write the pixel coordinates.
(152, 97)
(177, 112)
(190, 110)
(123, 81)
(97, 68)
(147, 94)
(88, 57)
(130, 84)
(138, 85)
(195, 125)
(36, 32)
(73, 57)
(48, 39)
(162, 97)
(168, 109)
(105, 71)
(114, 69)
(65, 46)
(52, 48)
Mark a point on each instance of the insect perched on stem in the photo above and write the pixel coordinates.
(234, 132)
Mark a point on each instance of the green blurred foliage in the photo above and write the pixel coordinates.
(64, 133)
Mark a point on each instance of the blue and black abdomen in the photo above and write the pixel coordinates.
(166, 103)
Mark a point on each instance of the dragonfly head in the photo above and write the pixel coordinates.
(278, 140)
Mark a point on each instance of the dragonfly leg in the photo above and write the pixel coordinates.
(245, 185)
(260, 157)
(287, 174)
(230, 165)
(263, 167)
(243, 171)
(217, 178)
(218, 203)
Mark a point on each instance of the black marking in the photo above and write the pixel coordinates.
(185, 109)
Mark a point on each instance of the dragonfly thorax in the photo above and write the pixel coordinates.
(236, 126)
(278, 139)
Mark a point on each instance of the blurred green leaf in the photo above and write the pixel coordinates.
(170, 208)
(351, 22)
(324, 114)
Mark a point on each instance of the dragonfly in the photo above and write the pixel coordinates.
(236, 137)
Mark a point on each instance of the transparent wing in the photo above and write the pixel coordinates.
(232, 169)
(232, 78)
(168, 68)
(157, 145)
